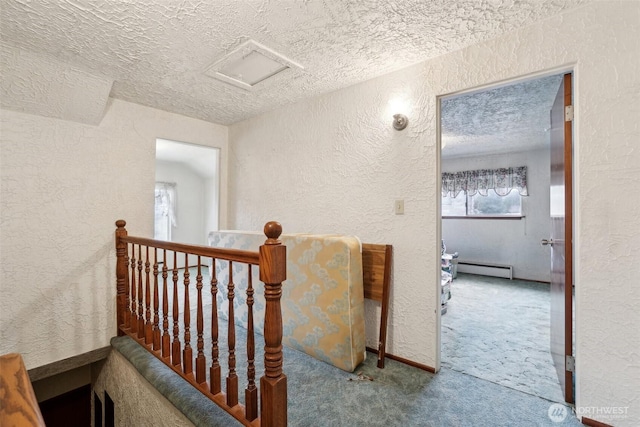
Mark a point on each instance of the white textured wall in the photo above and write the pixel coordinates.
(212, 205)
(64, 184)
(333, 164)
(136, 402)
(47, 86)
(506, 241)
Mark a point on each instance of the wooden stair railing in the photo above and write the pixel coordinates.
(140, 280)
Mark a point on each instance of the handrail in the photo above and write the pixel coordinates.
(236, 255)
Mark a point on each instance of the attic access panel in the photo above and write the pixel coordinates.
(249, 65)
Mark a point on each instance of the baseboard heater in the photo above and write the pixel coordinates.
(486, 269)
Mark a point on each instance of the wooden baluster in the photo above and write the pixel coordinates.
(251, 392)
(232, 378)
(201, 362)
(122, 263)
(134, 315)
(187, 353)
(156, 303)
(140, 296)
(273, 385)
(215, 375)
(127, 302)
(148, 326)
(166, 340)
(175, 347)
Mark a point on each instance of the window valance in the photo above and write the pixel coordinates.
(480, 181)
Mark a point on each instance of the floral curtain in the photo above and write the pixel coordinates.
(480, 181)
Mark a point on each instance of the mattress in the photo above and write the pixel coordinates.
(322, 298)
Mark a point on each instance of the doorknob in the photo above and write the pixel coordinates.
(545, 242)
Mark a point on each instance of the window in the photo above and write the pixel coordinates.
(477, 205)
(454, 206)
(484, 192)
(165, 210)
(491, 205)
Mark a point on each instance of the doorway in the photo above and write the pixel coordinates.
(187, 191)
(493, 130)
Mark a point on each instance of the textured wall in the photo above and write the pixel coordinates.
(136, 401)
(47, 86)
(63, 186)
(333, 164)
(509, 242)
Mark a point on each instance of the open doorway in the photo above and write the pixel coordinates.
(495, 209)
(187, 206)
(187, 191)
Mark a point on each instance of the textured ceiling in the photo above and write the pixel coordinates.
(515, 117)
(156, 53)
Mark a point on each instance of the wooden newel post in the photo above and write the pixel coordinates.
(121, 276)
(273, 385)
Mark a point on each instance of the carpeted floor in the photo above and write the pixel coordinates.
(398, 395)
(498, 330)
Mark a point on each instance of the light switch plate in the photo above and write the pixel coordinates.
(399, 207)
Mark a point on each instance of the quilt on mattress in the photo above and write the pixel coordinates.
(322, 298)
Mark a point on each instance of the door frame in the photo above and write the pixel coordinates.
(571, 68)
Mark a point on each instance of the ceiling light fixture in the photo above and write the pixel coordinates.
(250, 64)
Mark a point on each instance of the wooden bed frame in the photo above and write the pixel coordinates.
(145, 269)
(376, 275)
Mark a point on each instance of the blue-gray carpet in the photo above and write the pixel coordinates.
(498, 330)
(322, 395)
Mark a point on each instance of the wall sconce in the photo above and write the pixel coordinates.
(400, 121)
